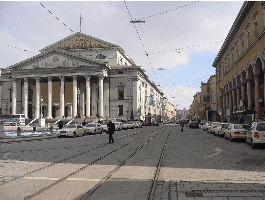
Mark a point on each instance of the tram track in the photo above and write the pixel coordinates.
(153, 187)
(27, 140)
(42, 190)
(68, 158)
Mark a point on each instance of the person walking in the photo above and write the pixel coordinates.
(111, 130)
(182, 126)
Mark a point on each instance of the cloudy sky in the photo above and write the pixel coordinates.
(184, 40)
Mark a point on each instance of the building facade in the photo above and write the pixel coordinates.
(240, 64)
(79, 76)
(169, 110)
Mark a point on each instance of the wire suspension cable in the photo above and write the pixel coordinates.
(15, 47)
(56, 17)
(170, 10)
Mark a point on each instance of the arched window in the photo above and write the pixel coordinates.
(100, 56)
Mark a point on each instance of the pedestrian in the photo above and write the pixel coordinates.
(60, 125)
(182, 125)
(111, 130)
(84, 123)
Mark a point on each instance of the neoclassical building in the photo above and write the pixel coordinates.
(240, 69)
(79, 76)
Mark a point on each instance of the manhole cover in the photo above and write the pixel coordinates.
(193, 194)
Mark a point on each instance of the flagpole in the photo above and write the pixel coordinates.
(80, 22)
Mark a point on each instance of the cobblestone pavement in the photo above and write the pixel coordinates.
(196, 165)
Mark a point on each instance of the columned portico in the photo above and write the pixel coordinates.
(88, 96)
(14, 97)
(26, 86)
(100, 83)
(62, 97)
(37, 102)
(49, 115)
(249, 94)
(74, 96)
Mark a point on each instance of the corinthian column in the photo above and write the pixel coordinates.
(49, 116)
(26, 86)
(74, 96)
(37, 103)
(14, 97)
(100, 83)
(88, 96)
(62, 98)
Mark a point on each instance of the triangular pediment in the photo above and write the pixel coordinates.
(79, 41)
(56, 59)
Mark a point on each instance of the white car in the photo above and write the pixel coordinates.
(118, 126)
(256, 134)
(93, 128)
(219, 130)
(128, 125)
(212, 126)
(205, 126)
(71, 130)
(104, 125)
(235, 131)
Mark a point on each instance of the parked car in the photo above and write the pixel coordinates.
(93, 128)
(72, 130)
(212, 126)
(235, 131)
(256, 134)
(155, 123)
(118, 125)
(104, 126)
(205, 126)
(219, 130)
(194, 124)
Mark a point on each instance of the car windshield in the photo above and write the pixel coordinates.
(239, 126)
(70, 126)
(117, 123)
(91, 125)
(261, 127)
(225, 125)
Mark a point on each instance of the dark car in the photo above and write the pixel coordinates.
(194, 124)
(155, 123)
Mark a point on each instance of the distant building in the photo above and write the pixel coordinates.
(169, 111)
(79, 76)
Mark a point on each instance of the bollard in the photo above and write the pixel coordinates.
(18, 131)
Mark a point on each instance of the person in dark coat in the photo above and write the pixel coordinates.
(60, 125)
(111, 130)
(182, 125)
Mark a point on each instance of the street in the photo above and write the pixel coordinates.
(157, 162)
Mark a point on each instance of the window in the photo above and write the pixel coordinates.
(248, 35)
(100, 56)
(120, 92)
(242, 43)
(256, 28)
(120, 72)
(120, 110)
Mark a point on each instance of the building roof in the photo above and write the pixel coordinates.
(247, 5)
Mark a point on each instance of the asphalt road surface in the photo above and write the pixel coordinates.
(148, 163)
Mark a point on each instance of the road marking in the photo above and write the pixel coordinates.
(217, 151)
(54, 179)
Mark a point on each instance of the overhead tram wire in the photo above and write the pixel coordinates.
(57, 18)
(139, 37)
(187, 47)
(170, 10)
(15, 47)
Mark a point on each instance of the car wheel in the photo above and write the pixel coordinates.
(74, 134)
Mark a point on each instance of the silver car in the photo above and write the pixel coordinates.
(71, 130)
(93, 128)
